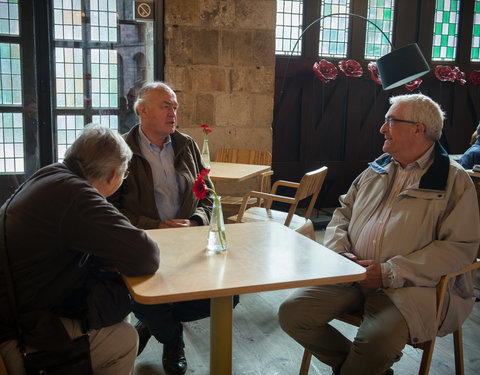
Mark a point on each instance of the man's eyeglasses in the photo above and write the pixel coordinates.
(125, 174)
(391, 120)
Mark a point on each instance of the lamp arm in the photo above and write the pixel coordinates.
(318, 20)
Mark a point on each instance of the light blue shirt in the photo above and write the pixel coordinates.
(166, 182)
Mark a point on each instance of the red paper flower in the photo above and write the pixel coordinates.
(459, 75)
(200, 187)
(475, 77)
(444, 73)
(351, 68)
(372, 66)
(413, 85)
(325, 71)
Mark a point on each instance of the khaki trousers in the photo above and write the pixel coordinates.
(380, 338)
(113, 349)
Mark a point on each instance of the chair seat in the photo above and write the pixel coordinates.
(298, 223)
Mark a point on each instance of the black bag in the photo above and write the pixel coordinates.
(70, 362)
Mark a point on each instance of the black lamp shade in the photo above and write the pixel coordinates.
(401, 66)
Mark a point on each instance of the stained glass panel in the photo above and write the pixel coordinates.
(10, 74)
(69, 77)
(11, 143)
(68, 129)
(67, 19)
(445, 30)
(103, 20)
(379, 12)
(104, 78)
(9, 22)
(476, 33)
(334, 30)
(289, 27)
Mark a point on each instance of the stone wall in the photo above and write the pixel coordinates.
(220, 60)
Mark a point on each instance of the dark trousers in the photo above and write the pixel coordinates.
(165, 321)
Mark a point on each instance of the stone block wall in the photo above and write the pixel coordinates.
(220, 60)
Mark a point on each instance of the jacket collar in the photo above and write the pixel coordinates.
(179, 141)
(436, 176)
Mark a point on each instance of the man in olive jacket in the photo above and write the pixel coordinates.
(158, 194)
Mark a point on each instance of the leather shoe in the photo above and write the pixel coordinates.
(173, 359)
(143, 336)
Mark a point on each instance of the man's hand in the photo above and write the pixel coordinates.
(177, 223)
(374, 274)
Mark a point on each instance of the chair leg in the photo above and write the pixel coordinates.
(307, 356)
(426, 357)
(458, 347)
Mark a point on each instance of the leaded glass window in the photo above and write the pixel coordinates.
(11, 76)
(69, 77)
(68, 128)
(476, 33)
(9, 22)
(379, 12)
(67, 18)
(103, 20)
(445, 30)
(289, 27)
(107, 120)
(333, 40)
(11, 142)
(104, 78)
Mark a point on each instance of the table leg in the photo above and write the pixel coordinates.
(221, 312)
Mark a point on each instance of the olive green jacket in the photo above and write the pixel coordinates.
(136, 198)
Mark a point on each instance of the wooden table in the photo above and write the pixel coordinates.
(235, 172)
(260, 257)
(472, 173)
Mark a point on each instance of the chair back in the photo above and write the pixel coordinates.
(233, 155)
(309, 187)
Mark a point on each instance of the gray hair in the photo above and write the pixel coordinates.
(420, 108)
(99, 151)
(142, 95)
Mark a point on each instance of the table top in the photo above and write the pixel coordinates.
(473, 173)
(221, 171)
(260, 257)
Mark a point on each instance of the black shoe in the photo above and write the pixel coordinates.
(173, 359)
(143, 336)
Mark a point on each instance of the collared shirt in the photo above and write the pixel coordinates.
(166, 182)
(369, 243)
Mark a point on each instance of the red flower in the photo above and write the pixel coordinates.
(459, 75)
(200, 187)
(475, 77)
(351, 68)
(205, 172)
(444, 73)
(372, 66)
(325, 71)
(413, 85)
(206, 128)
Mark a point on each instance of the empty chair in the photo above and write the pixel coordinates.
(427, 346)
(308, 188)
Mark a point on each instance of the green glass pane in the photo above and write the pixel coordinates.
(450, 52)
(4, 50)
(452, 28)
(476, 30)
(446, 17)
(440, 5)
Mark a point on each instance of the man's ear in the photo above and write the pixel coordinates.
(420, 128)
(112, 176)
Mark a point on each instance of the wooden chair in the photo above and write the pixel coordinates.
(427, 346)
(308, 187)
(233, 155)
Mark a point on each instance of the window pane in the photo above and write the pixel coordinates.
(106, 120)
(10, 75)
(445, 30)
(104, 78)
(103, 18)
(67, 19)
(9, 22)
(69, 77)
(476, 33)
(333, 41)
(68, 129)
(380, 12)
(11, 143)
(289, 27)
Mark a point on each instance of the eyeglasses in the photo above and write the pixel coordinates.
(390, 120)
(125, 174)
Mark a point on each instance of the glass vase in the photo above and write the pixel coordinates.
(205, 153)
(217, 240)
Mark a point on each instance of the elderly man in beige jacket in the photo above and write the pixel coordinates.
(409, 218)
